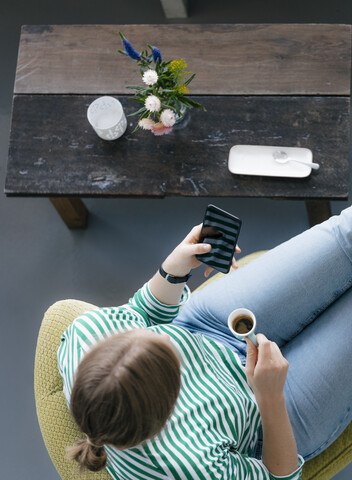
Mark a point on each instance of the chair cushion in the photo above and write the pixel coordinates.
(59, 429)
(57, 426)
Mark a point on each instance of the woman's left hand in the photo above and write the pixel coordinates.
(183, 258)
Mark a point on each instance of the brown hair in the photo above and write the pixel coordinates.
(124, 391)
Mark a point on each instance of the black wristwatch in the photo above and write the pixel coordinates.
(171, 278)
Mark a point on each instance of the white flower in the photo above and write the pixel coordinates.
(150, 77)
(152, 103)
(168, 117)
(146, 123)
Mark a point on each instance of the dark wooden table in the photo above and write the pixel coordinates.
(285, 85)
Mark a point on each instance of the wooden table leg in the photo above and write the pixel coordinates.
(318, 211)
(72, 211)
(175, 8)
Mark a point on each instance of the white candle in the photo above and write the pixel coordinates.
(107, 117)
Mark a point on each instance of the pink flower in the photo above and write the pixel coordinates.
(160, 129)
(168, 117)
(152, 103)
(146, 123)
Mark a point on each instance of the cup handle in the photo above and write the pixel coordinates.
(253, 338)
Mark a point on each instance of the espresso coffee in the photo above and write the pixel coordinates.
(242, 324)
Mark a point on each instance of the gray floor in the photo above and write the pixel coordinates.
(42, 261)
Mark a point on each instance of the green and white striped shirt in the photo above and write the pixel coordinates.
(213, 430)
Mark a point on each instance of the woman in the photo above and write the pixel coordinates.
(187, 400)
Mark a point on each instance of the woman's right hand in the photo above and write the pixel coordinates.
(266, 369)
(183, 258)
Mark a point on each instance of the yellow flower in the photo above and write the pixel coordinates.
(177, 66)
(182, 89)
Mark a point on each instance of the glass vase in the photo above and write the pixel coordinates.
(182, 118)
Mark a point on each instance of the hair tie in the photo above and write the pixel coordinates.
(91, 443)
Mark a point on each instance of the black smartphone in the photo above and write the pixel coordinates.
(221, 230)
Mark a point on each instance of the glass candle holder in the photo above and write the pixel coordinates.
(107, 118)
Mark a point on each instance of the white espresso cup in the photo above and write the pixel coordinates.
(107, 117)
(242, 323)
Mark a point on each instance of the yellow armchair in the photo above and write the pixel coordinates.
(59, 430)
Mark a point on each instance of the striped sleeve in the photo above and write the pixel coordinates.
(296, 475)
(253, 469)
(156, 311)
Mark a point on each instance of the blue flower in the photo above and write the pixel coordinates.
(156, 54)
(131, 52)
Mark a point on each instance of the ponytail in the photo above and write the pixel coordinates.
(87, 455)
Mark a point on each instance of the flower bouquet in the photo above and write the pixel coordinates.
(163, 96)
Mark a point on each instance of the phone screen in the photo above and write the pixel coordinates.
(221, 230)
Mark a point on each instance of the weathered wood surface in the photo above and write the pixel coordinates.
(54, 151)
(281, 59)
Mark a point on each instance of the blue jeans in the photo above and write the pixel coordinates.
(301, 295)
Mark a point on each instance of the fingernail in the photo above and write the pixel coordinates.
(207, 246)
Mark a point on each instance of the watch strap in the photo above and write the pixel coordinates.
(172, 278)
